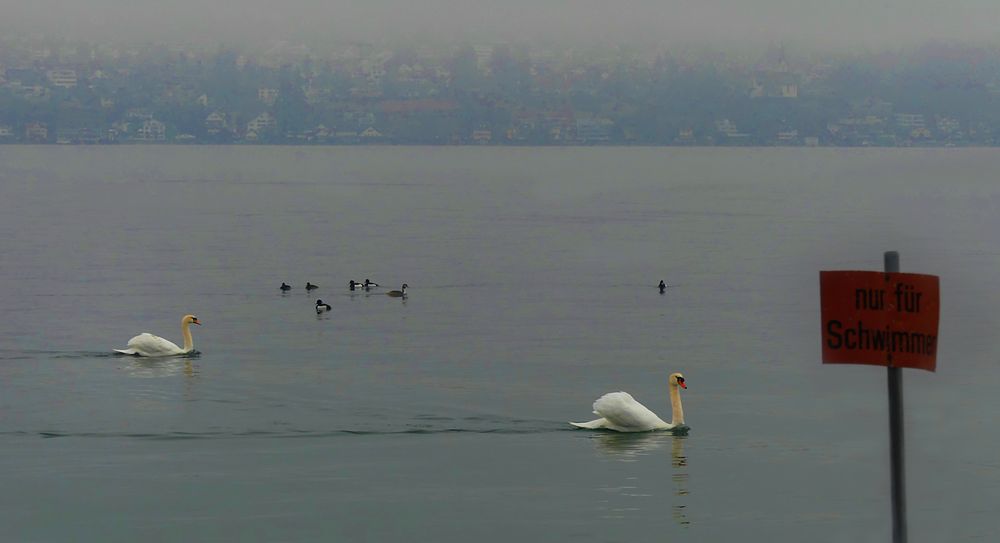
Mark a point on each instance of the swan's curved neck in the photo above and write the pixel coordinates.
(188, 340)
(675, 406)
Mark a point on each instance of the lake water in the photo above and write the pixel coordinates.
(443, 416)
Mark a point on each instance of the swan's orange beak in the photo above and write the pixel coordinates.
(195, 321)
(681, 383)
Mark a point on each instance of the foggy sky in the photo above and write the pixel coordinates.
(724, 24)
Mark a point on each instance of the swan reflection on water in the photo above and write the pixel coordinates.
(154, 368)
(625, 447)
(680, 478)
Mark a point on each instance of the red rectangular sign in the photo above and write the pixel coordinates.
(882, 319)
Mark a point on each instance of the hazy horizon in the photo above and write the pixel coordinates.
(721, 24)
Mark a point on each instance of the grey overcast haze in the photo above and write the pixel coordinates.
(724, 24)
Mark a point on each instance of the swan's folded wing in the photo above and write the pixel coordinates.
(621, 410)
(148, 344)
(592, 425)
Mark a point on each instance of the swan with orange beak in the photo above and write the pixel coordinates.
(147, 344)
(620, 412)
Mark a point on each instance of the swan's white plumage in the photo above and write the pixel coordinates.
(621, 412)
(147, 344)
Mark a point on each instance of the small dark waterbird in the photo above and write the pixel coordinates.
(310, 286)
(398, 293)
(285, 286)
(321, 307)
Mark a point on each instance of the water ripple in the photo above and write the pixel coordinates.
(17, 354)
(512, 428)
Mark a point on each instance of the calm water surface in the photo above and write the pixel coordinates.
(442, 416)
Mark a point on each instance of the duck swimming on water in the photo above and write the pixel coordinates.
(285, 286)
(310, 286)
(321, 307)
(398, 293)
(663, 286)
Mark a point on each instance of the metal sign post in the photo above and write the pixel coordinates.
(883, 319)
(896, 465)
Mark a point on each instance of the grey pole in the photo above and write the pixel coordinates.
(896, 467)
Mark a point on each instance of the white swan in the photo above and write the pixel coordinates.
(620, 412)
(147, 344)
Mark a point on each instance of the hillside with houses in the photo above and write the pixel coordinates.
(57, 92)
